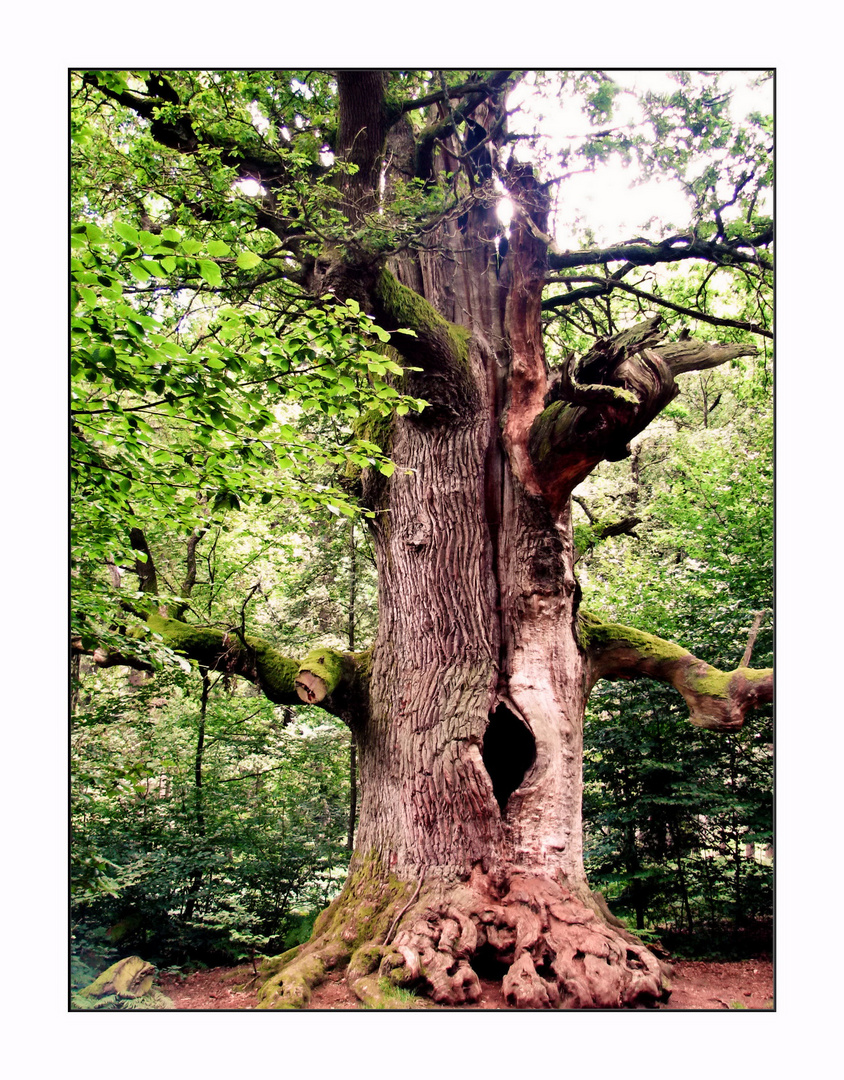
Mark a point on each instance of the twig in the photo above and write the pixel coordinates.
(403, 911)
(751, 640)
(250, 594)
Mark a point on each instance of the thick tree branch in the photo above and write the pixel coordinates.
(604, 286)
(437, 348)
(718, 700)
(608, 398)
(336, 681)
(692, 355)
(675, 249)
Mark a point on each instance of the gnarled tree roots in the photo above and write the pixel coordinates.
(550, 948)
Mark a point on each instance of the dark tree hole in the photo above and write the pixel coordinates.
(487, 964)
(508, 752)
(544, 969)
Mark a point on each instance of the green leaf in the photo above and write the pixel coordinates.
(210, 272)
(218, 248)
(138, 270)
(95, 233)
(126, 232)
(247, 260)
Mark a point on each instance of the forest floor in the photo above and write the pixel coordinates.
(698, 984)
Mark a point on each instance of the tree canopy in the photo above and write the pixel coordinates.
(194, 308)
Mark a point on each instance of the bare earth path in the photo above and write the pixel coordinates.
(698, 984)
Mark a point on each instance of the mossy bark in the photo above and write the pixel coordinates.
(345, 935)
(336, 680)
(718, 700)
(439, 938)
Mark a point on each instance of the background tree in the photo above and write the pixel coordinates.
(679, 825)
(209, 824)
(375, 223)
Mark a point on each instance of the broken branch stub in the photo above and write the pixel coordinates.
(321, 673)
(310, 688)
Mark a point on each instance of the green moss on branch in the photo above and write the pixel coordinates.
(284, 680)
(322, 672)
(439, 349)
(408, 310)
(716, 699)
(196, 642)
(593, 635)
(276, 673)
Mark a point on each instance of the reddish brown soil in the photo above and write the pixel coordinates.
(698, 984)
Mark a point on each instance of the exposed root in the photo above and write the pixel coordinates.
(291, 987)
(555, 950)
(360, 916)
(558, 951)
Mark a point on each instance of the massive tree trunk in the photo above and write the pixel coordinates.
(468, 855)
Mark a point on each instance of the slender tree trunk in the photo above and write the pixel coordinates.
(684, 894)
(353, 757)
(633, 867)
(75, 682)
(353, 793)
(199, 809)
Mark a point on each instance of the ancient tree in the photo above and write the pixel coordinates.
(467, 712)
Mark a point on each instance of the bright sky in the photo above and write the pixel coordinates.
(605, 198)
